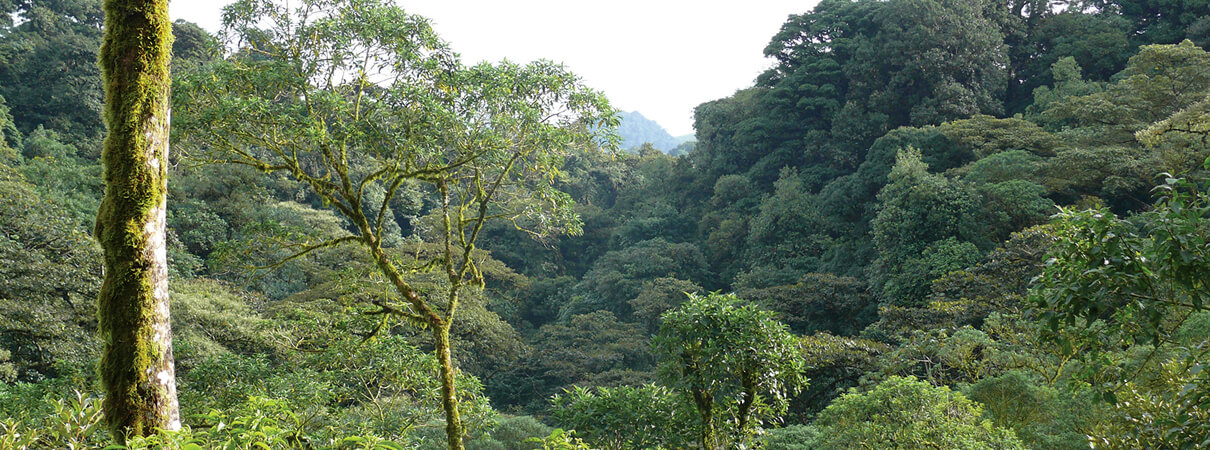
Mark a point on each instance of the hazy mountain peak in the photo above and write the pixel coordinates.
(637, 130)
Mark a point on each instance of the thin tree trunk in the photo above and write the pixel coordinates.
(705, 407)
(745, 406)
(441, 332)
(449, 398)
(136, 364)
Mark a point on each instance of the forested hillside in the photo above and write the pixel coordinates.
(931, 224)
(636, 130)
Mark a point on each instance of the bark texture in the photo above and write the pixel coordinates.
(449, 398)
(440, 328)
(136, 363)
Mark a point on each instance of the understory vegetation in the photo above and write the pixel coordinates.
(978, 224)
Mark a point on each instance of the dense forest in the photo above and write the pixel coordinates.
(975, 224)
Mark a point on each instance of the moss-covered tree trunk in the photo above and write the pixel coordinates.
(425, 314)
(705, 408)
(136, 364)
(449, 397)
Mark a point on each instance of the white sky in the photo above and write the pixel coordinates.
(659, 57)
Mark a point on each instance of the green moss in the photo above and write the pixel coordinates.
(134, 62)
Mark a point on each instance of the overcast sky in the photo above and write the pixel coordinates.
(659, 57)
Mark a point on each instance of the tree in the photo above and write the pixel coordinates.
(905, 413)
(48, 281)
(923, 230)
(819, 302)
(1100, 43)
(1157, 82)
(1037, 412)
(191, 45)
(737, 365)
(1137, 282)
(48, 73)
(351, 97)
(619, 276)
(589, 349)
(930, 61)
(625, 417)
(136, 361)
(834, 365)
(1144, 281)
(1159, 21)
(10, 137)
(783, 235)
(657, 297)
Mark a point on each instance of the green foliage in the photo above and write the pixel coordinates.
(72, 182)
(1000, 284)
(1009, 165)
(75, 422)
(1013, 205)
(1121, 283)
(512, 433)
(907, 413)
(646, 416)
(735, 363)
(1068, 82)
(949, 52)
(1157, 82)
(942, 357)
(619, 276)
(1042, 416)
(924, 229)
(376, 102)
(343, 283)
(50, 76)
(191, 45)
(657, 297)
(847, 73)
(212, 319)
(1168, 409)
(594, 349)
(793, 437)
(49, 277)
(834, 365)
(1119, 174)
(850, 202)
(258, 253)
(70, 422)
(782, 236)
(10, 136)
(1160, 22)
(819, 302)
(539, 302)
(1138, 279)
(562, 440)
(1099, 43)
(984, 136)
(383, 387)
(779, 201)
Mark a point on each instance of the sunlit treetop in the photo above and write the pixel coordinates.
(345, 94)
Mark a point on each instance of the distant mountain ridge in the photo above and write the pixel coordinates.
(637, 130)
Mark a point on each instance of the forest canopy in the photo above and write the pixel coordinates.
(992, 214)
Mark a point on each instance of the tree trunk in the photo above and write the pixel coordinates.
(449, 398)
(441, 333)
(745, 405)
(136, 363)
(705, 408)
